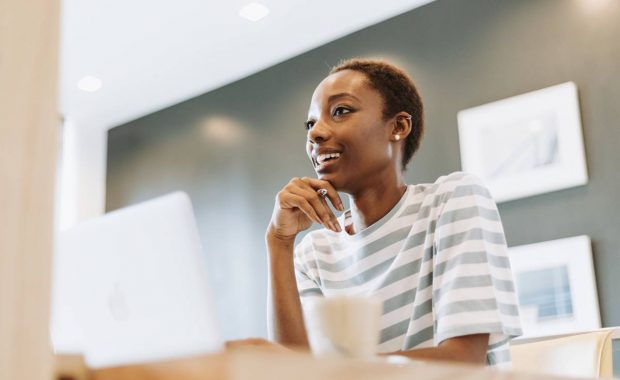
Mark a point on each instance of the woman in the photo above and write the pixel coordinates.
(434, 253)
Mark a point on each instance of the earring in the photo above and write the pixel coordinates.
(397, 137)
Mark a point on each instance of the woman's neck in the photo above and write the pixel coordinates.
(372, 203)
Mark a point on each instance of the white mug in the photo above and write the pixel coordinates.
(343, 326)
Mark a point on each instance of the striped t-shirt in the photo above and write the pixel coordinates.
(438, 261)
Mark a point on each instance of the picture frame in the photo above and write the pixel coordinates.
(525, 145)
(556, 287)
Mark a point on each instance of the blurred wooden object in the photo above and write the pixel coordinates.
(211, 367)
(29, 35)
(256, 365)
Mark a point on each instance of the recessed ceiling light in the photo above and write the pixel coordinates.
(254, 11)
(89, 84)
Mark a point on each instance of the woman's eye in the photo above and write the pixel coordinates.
(309, 124)
(339, 111)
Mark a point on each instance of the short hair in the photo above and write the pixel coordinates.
(399, 94)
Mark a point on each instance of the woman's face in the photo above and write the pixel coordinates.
(348, 140)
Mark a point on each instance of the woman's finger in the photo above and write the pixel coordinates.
(319, 204)
(294, 200)
(332, 194)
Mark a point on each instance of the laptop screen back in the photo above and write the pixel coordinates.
(141, 286)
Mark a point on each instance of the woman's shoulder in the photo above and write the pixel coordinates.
(456, 184)
(458, 178)
(448, 183)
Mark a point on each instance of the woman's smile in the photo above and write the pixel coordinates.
(327, 161)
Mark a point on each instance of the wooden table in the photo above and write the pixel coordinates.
(255, 364)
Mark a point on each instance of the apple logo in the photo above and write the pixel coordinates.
(117, 304)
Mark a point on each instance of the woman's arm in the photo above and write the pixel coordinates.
(297, 206)
(466, 349)
(286, 318)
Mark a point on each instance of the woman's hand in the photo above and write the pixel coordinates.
(298, 205)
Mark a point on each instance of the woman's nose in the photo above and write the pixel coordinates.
(319, 133)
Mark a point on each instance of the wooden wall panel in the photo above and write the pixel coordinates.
(29, 121)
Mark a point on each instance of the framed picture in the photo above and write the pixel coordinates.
(525, 145)
(555, 286)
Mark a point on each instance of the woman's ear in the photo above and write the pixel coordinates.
(401, 126)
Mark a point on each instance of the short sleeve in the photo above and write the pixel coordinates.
(473, 289)
(308, 285)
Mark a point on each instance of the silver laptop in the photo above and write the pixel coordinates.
(140, 290)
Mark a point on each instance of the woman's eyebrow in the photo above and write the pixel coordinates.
(341, 95)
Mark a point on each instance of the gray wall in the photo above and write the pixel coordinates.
(461, 54)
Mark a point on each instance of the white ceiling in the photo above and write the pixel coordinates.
(151, 54)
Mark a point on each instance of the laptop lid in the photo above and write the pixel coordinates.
(142, 292)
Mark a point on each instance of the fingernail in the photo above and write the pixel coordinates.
(340, 206)
(337, 225)
(331, 226)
